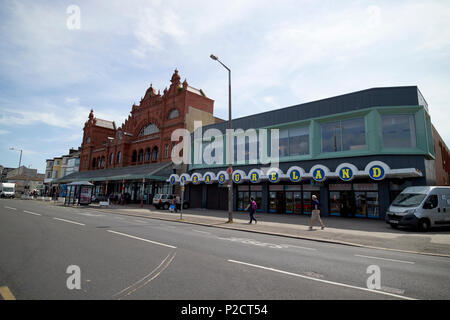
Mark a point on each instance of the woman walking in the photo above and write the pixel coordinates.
(251, 208)
(315, 215)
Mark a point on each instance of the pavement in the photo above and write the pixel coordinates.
(365, 233)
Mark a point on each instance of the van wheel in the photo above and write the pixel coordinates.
(424, 225)
(394, 226)
(185, 205)
(166, 206)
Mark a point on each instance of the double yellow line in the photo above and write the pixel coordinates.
(6, 294)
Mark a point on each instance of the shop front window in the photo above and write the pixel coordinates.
(335, 203)
(243, 200)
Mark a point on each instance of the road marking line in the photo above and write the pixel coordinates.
(137, 285)
(140, 221)
(6, 293)
(10, 208)
(70, 221)
(289, 245)
(36, 214)
(201, 231)
(370, 257)
(323, 281)
(146, 240)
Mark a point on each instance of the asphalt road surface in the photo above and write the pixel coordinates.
(125, 257)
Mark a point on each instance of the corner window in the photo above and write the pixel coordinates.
(399, 131)
(344, 135)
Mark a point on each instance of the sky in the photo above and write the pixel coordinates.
(59, 59)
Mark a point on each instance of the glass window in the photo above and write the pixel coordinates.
(289, 202)
(284, 143)
(173, 114)
(331, 137)
(166, 151)
(141, 155)
(399, 131)
(353, 134)
(118, 156)
(147, 154)
(148, 129)
(257, 195)
(155, 154)
(298, 141)
(335, 203)
(344, 135)
(243, 200)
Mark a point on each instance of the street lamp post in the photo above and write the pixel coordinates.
(20, 159)
(230, 160)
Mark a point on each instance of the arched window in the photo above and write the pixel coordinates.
(111, 158)
(118, 157)
(103, 162)
(173, 114)
(155, 154)
(147, 154)
(98, 162)
(134, 156)
(148, 129)
(141, 155)
(94, 162)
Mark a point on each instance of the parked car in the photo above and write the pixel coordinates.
(165, 200)
(420, 208)
(98, 198)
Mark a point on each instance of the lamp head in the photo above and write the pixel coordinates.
(214, 57)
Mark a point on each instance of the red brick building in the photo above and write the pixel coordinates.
(117, 159)
(144, 137)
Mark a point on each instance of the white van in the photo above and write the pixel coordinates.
(420, 208)
(7, 190)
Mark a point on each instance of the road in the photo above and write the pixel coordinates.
(125, 257)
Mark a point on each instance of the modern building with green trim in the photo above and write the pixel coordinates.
(355, 152)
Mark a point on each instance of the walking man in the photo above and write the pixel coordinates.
(251, 208)
(315, 215)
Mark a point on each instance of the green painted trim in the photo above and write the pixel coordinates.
(374, 135)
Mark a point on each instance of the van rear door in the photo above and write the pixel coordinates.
(445, 207)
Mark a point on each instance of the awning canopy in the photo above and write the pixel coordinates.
(80, 183)
(154, 171)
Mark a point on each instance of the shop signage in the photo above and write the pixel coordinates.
(346, 172)
(195, 178)
(377, 172)
(273, 176)
(254, 177)
(222, 178)
(237, 177)
(295, 175)
(319, 175)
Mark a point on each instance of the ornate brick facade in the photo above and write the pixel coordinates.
(145, 135)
